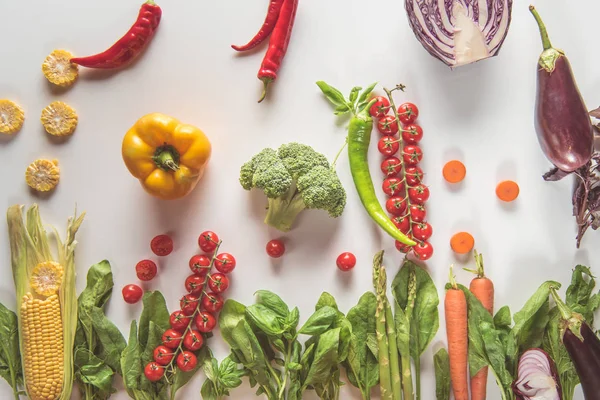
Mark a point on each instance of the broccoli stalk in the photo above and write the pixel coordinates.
(282, 211)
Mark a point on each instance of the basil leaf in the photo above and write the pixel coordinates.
(531, 321)
(10, 356)
(326, 299)
(207, 392)
(155, 310)
(229, 317)
(211, 369)
(441, 363)
(292, 319)
(342, 109)
(250, 352)
(264, 319)
(272, 302)
(354, 94)
(325, 358)
(320, 321)
(365, 93)
(334, 96)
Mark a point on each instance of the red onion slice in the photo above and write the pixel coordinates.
(537, 378)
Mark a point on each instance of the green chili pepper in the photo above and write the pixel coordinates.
(359, 137)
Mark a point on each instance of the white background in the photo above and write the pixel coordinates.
(479, 113)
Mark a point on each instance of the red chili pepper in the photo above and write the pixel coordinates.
(265, 29)
(278, 44)
(126, 49)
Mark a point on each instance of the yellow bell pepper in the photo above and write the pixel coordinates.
(168, 157)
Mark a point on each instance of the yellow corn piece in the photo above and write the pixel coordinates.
(42, 175)
(42, 337)
(59, 70)
(46, 278)
(59, 119)
(11, 117)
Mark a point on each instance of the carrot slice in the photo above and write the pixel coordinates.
(462, 242)
(507, 190)
(454, 171)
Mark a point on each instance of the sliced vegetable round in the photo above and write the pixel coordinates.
(193, 340)
(200, 264)
(462, 242)
(146, 270)
(275, 248)
(172, 338)
(346, 261)
(42, 175)
(218, 282)
(454, 171)
(59, 69)
(537, 377)
(179, 321)
(154, 372)
(225, 263)
(11, 117)
(132, 293)
(162, 245)
(205, 321)
(59, 119)
(186, 361)
(507, 191)
(208, 241)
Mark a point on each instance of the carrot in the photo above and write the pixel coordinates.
(462, 242)
(454, 171)
(483, 289)
(507, 190)
(455, 306)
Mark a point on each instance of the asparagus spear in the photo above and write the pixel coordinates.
(379, 282)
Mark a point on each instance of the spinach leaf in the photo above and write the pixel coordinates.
(579, 293)
(131, 361)
(326, 299)
(320, 321)
(10, 357)
(110, 342)
(272, 302)
(155, 310)
(441, 363)
(325, 358)
(531, 321)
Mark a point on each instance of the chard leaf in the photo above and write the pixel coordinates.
(320, 321)
(441, 363)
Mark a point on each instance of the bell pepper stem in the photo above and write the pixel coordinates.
(167, 158)
(543, 32)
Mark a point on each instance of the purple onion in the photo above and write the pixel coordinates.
(537, 377)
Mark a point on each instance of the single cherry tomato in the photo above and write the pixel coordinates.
(132, 293)
(418, 194)
(412, 134)
(402, 223)
(414, 175)
(388, 125)
(225, 263)
(422, 231)
(179, 321)
(412, 155)
(408, 113)
(346, 261)
(153, 372)
(163, 355)
(193, 340)
(396, 205)
(189, 303)
(391, 166)
(172, 338)
(194, 284)
(208, 241)
(423, 251)
(388, 145)
(380, 108)
(212, 302)
(417, 212)
(218, 282)
(392, 186)
(162, 245)
(205, 321)
(403, 248)
(275, 248)
(186, 361)
(200, 264)
(145, 270)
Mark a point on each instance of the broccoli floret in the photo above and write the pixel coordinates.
(294, 178)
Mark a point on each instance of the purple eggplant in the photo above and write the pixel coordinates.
(583, 347)
(562, 122)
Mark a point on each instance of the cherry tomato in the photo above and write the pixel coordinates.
(403, 248)
(205, 321)
(423, 251)
(346, 261)
(388, 125)
(396, 205)
(412, 155)
(171, 338)
(132, 293)
(388, 145)
(208, 241)
(380, 108)
(417, 212)
(194, 284)
(163, 355)
(225, 263)
(422, 231)
(402, 223)
(414, 175)
(153, 372)
(188, 304)
(275, 248)
(218, 283)
(412, 134)
(179, 321)
(392, 186)
(193, 340)
(391, 166)
(418, 194)
(145, 270)
(200, 264)
(161, 245)
(212, 302)
(186, 361)
(408, 113)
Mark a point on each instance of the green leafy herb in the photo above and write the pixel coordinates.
(10, 356)
(220, 379)
(441, 363)
(320, 321)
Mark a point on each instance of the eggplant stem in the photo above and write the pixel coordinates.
(543, 32)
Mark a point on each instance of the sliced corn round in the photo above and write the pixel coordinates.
(11, 117)
(42, 175)
(59, 119)
(59, 70)
(46, 278)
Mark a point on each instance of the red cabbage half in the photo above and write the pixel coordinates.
(459, 32)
